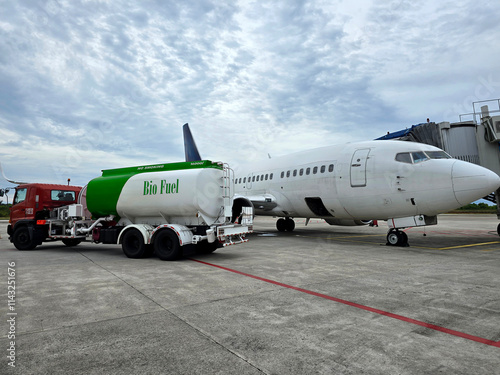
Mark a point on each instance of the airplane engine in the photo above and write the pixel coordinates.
(347, 222)
(238, 204)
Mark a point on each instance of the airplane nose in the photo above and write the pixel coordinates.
(472, 182)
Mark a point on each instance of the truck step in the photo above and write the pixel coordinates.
(234, 240)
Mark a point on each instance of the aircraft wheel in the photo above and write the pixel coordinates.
(133, 244)
(397, 238)
(290, 224)
(404, 239)
(392, 238)
(167, 246)
(281, 225)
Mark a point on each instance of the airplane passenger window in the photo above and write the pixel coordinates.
(294, 172)
(315, 170)
(404, 157)
(267, 176)
(240, 180)
(323, 169)
(262, 177)
(438, 155)
(301, 172)
(253, 179)
(271, 176)
(288, 173)
(419, 157)
(308, 171)
(330, 168)
(282, 174)
(244, 180)
(257, 179)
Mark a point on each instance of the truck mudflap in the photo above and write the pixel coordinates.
(184, 234)
(145, 230)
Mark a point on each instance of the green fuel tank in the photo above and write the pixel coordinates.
(155, 194)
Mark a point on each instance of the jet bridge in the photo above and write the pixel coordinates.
(476, 141)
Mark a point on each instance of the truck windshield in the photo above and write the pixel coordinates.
(20, 195)
(62, 195)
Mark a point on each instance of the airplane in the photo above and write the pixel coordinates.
(406, 184)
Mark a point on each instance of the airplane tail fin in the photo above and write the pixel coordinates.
(11, 181)
(190, 148)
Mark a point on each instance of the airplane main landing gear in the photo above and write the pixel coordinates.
(286, 224)
(395, 237)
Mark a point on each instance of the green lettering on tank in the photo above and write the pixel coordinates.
(103, 192)
(150, 188)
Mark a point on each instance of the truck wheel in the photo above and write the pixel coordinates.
(205, 247)
(133, 244)
(166, 244)
(71, 242)
(22, 240)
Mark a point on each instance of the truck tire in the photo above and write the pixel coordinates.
(166, 245)
(205, 247)
(133, 244)
(71, 242)
(22, 239)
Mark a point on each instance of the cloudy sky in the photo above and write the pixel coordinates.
(89, 85)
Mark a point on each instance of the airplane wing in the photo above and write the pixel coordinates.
(11, 181)
(190, 149)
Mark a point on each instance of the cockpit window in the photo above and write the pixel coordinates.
(438, 155)
(404, 157)
(419, 156)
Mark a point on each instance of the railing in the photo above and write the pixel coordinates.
(475, 114)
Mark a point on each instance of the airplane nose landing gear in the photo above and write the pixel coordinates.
(286, 224)
(395, 237)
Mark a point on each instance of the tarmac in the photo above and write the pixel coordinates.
(319, 300)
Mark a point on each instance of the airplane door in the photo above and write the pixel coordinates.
(358, 167)
(249, 181)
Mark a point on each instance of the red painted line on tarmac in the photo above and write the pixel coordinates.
(362, 307)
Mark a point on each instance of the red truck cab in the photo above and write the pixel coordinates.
(33, 202)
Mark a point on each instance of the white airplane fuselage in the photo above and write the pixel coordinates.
(379, 180)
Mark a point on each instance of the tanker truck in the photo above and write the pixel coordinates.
(157, 208)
